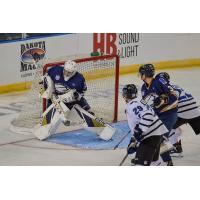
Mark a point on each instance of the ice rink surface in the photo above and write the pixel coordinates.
(18, 149)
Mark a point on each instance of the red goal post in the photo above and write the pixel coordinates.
(98, 70)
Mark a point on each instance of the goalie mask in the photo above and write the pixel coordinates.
(69, 69)
(129, 91)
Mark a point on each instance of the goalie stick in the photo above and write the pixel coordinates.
(107, 132)
(100, 121)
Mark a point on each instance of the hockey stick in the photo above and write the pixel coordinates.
(100, 121)
(123, 160)
(117, 145)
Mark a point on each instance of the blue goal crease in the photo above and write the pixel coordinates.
(86, 140)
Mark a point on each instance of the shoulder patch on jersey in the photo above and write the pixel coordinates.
(57, 77)
(162, 80)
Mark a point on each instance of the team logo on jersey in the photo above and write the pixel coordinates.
(57, 77)
(31, 52)
(163, 81)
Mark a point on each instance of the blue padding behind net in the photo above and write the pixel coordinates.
(87, 140)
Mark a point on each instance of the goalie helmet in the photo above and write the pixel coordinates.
(69, 69)
(129, 91)
(148, 70)
(70, 66)
(163, 75)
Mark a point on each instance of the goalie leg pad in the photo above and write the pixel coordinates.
(43, 132)
(107, 133)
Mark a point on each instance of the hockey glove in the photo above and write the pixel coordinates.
(132, 146)
(138, 133)
(161, 100)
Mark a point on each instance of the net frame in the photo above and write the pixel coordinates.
(94, 58)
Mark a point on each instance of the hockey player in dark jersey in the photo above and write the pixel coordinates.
(68, 80)
(146, 127)
(188, 112)
(64, 90)
(164, 101)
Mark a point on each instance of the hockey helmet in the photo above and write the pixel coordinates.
(69, 69)
(163, 75)
(148, 70)
(129, 91)
(70, 66)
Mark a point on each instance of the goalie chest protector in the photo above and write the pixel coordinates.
(75, 82)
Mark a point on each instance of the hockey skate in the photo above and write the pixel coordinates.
(177, 151)
(133, 162)
(169, 163)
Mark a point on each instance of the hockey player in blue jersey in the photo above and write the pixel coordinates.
(188, 112)
(64, 90)
(164, 101)
(67, 80)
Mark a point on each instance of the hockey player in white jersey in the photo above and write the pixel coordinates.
(146, 127)
(188, 112)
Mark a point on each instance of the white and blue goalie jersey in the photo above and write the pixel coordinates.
(142, 114)
(76, 82)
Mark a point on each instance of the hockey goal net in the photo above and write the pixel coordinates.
(102, 79)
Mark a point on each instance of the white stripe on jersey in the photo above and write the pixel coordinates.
(142, 114)
(187, 106)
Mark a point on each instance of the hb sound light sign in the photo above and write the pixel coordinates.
(124, 44)
(29, 53)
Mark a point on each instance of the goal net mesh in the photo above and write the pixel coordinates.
(102, 79)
